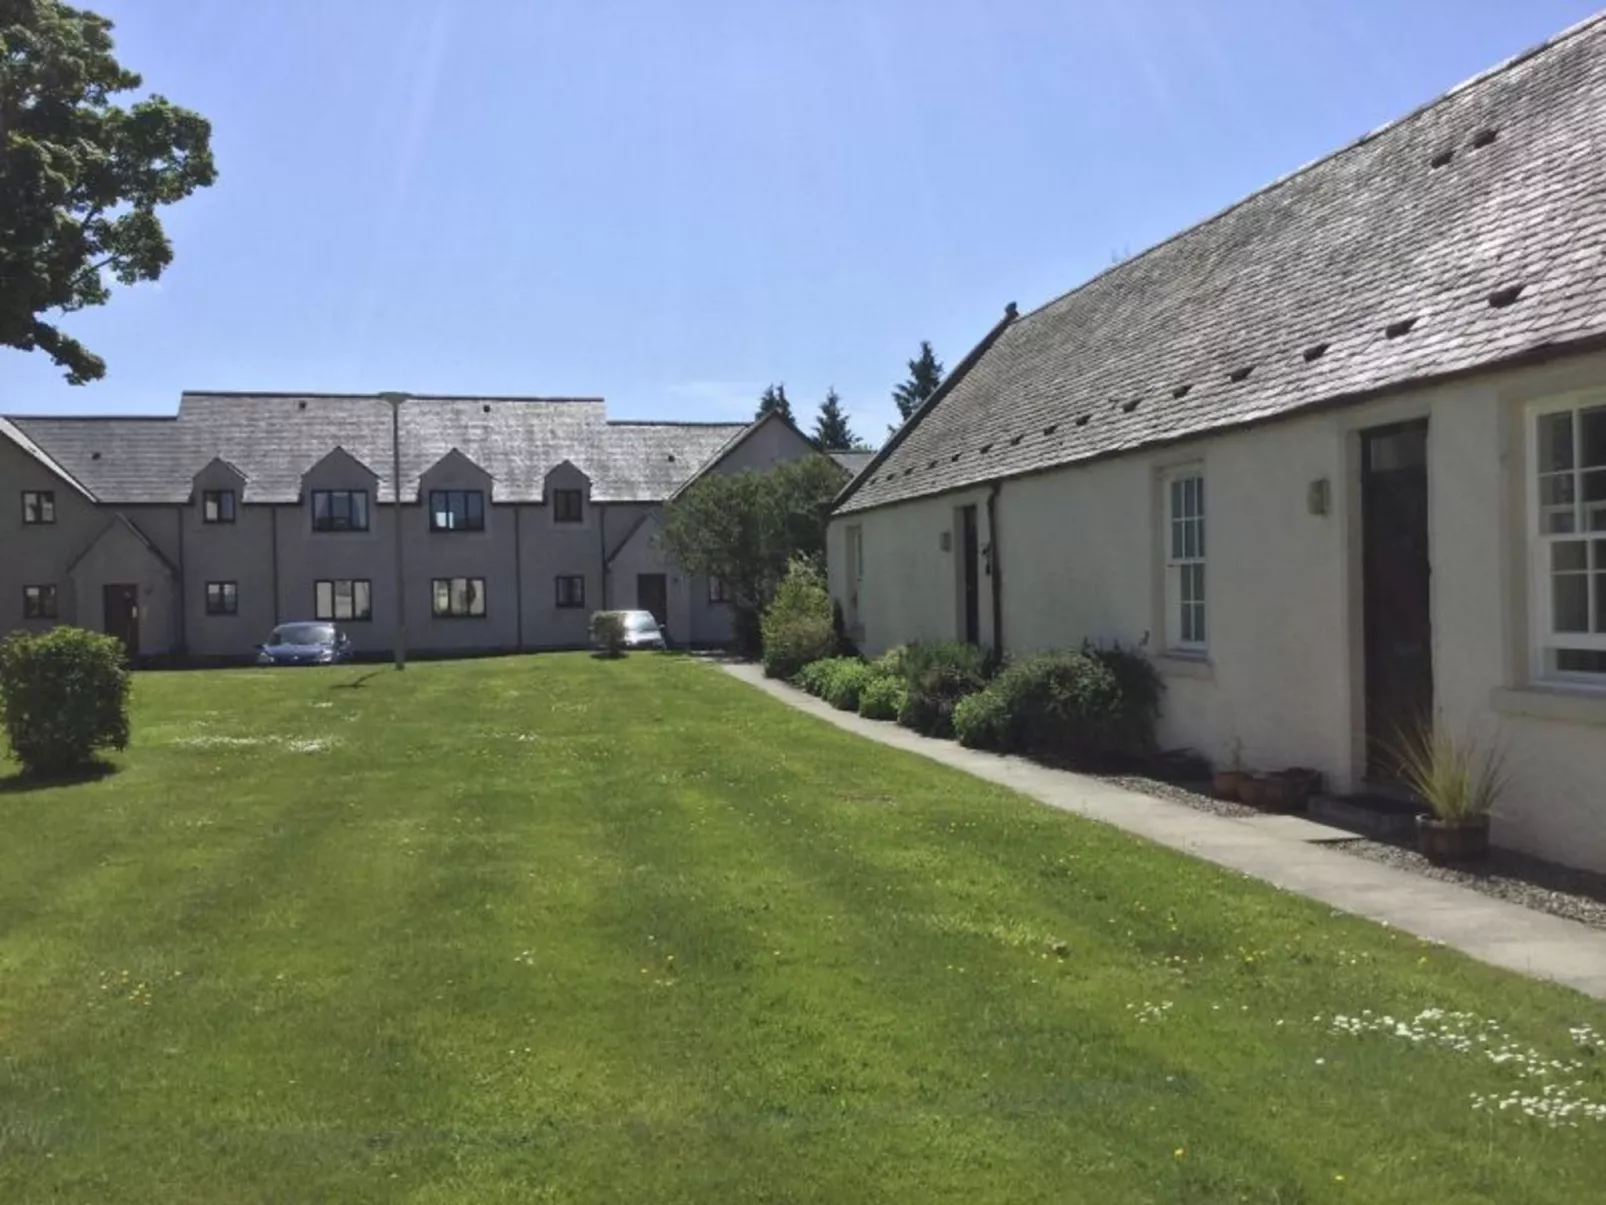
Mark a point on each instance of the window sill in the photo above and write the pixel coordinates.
(1185, 665)
(1573, 706)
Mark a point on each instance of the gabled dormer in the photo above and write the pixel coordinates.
(566, 490)
(338, 494)
(216, 493)
(456, 493)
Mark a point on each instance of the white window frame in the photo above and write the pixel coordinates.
(1543, 638)
(1183, 534)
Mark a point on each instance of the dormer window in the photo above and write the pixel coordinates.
(339, 510)
(456, 510)
(217, 506)
(568, 506)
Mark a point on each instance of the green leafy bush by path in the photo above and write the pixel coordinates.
(981, 721)
(797, 627)
(1083, 706)
(881, 698)
(1129, 731)
(837, 680)
(64, 697)
(936, 677)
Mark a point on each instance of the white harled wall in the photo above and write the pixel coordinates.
(1080, 555)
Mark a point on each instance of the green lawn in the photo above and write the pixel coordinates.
(555, 929)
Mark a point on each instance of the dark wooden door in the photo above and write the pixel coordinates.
(652, 594)
(122, 615)
(1396, 589)
(969, 549)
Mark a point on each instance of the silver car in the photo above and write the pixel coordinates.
(642, 631)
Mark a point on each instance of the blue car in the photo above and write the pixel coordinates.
(305, 644)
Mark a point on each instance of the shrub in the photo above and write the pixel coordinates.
(981, 721)
(811, 678)
(846, 683)
(1130, 729)
(608, 632)
(936, 677)
(797, 627)
(1085, 706)
(881, 697)
(890, 663)
(64, 696)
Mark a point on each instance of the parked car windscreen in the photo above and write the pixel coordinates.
(640, 621)
(303, 633)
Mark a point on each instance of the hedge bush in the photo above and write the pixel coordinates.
(797, 627)
(881, 698)
(1084, 706)
(1130, 729)
(936, 677)
(981, 721)
(846, 683)
(63, 697)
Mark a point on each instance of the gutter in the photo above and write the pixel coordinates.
(961, 370)
(994, 568)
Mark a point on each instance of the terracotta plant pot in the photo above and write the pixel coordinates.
(1448, 842)
(1252, 790)
(1227, 784)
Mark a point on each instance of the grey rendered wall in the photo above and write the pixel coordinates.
(240, 552)
(547, 549)
(39, 555)
(488, 554)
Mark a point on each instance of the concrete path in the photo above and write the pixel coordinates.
(1284, 851)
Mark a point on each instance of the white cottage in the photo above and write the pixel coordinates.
(1336, 456)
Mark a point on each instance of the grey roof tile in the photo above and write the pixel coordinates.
(1332, 254)
(275, 438)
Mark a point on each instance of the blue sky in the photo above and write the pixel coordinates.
(671, 204)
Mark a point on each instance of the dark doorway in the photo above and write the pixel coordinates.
(122, 616)
(969, 549)
(1395, 582)
(652, 594)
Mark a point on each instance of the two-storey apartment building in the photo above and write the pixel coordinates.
(194, 534)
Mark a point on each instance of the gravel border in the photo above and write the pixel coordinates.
(1508, 875)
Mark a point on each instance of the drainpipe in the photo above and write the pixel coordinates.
(602, 554)
(273, 552)
(181, 610)
(518, 577)
(395, 400)
(994, 566)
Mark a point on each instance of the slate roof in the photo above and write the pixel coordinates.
(853, 462)
(275, 438)
(1379, 265)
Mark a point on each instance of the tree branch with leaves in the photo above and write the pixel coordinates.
(81, 178)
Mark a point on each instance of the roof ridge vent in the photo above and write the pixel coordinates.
(1051, 428)
(1240, 374)
(1442, 159)
(985, 448)
(1403, 327)
(1484, 137)
(1128, 407)
(1014, 440)
(1181, 391)
(1316, 351)
(1501, 298)
(1081, 419)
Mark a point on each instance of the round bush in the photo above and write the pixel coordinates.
(981, 721)
(881, 698)
(63, 697)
